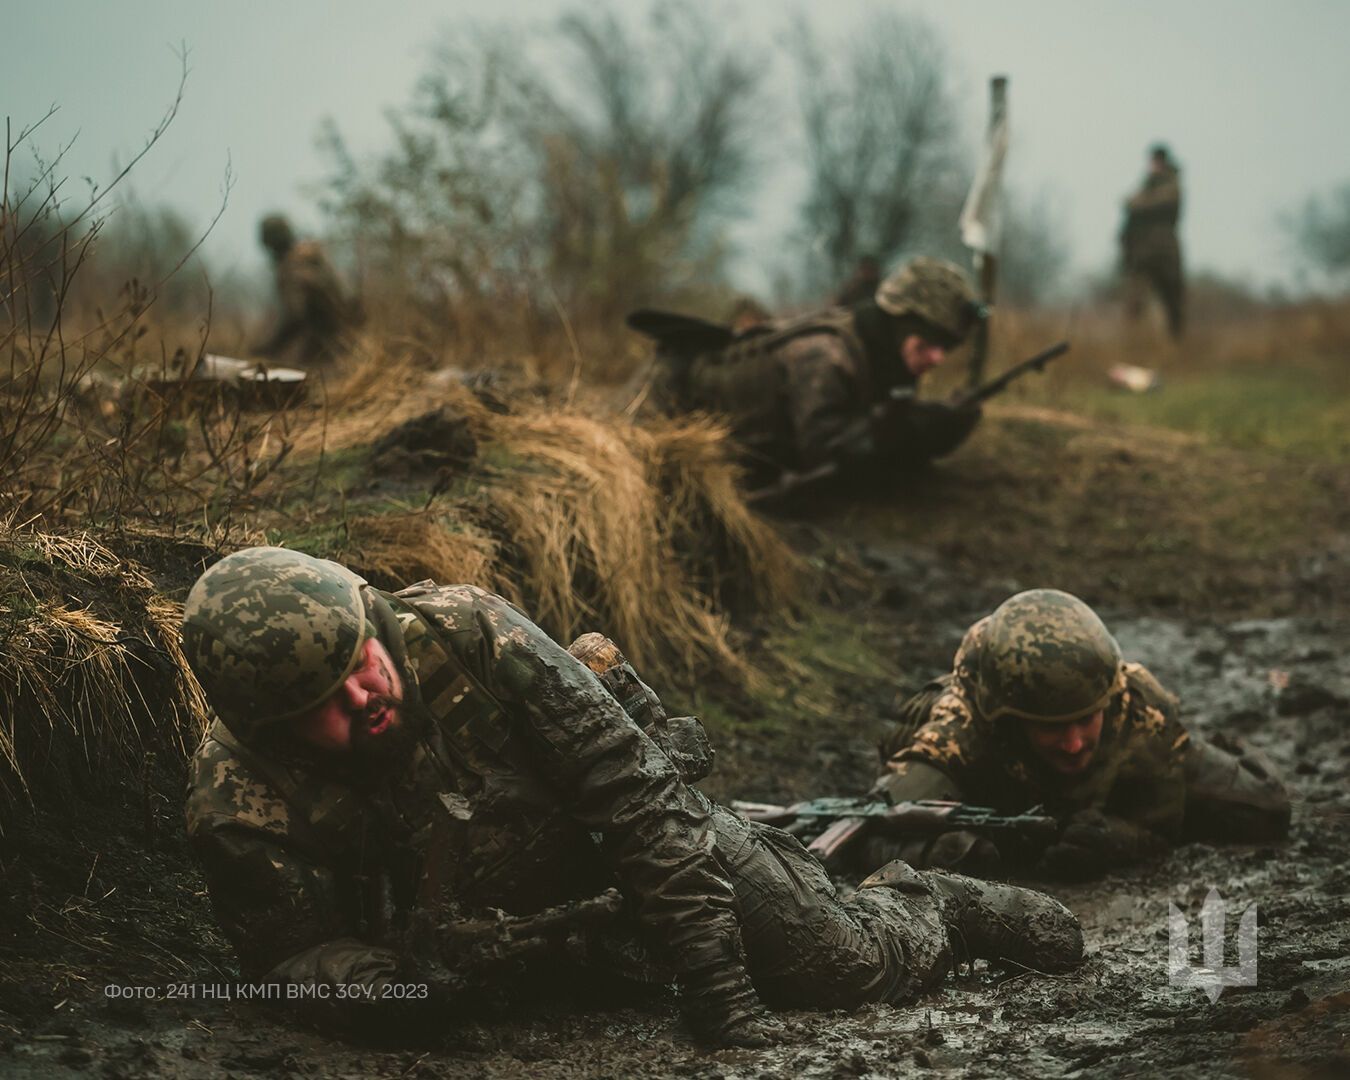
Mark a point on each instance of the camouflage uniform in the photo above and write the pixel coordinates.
(831, 387)
(312, 315)
(1150, 250)
(528, 786)
(1149, 783)
(862, 283)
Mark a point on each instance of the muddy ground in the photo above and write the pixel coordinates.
(114, 901)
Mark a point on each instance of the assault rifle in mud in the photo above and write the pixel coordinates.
(833, 825)
(468, 952)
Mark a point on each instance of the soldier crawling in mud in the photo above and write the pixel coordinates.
(312, 315)
(380, 756)
(832, 391)
(1041, 709)
(1150, 252)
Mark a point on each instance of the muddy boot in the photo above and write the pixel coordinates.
(990, 921)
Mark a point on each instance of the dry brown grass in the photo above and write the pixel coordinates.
(584, 519)
(92, 679)
(404, 548)
(639, 532)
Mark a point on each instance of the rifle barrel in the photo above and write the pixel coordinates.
(996, 385)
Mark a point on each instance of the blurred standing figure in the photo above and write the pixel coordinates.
(312, 312)
(1150, 251)
(862, 284)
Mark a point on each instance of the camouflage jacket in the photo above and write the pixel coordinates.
(797, 395)
(1151, 217)
(529, 786)
(945, 749)
(312, 310)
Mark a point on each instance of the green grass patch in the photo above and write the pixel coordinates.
(811, 668)
(1291, 411)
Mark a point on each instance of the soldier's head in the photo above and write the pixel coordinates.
(934, 304)
(276, 235)
(284, 647)
(1047, 664)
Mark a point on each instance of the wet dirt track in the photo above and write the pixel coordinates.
(1282, 684)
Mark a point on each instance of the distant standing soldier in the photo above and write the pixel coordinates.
(313, 314)
(834, 390)
(1041, 709)
(1150, 251)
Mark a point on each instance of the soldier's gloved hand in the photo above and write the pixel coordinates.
(923, 430)
(1092, 843)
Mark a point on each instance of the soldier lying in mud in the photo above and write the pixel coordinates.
(380, 759)
(830, 392)
(1041, 709)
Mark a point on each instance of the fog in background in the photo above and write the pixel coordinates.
(1246, 92)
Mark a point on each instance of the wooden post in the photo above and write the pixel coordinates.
(985, 263)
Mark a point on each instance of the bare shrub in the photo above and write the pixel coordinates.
(1321, 231)
(511, 196)
(884, 171)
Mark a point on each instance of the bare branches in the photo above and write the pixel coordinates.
(880, 132)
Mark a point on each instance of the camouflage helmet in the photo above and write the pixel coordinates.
(276, 233)
(271, 633)
(934, 290)
(1045, 655)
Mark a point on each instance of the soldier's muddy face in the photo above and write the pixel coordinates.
(921, 354)
(1066, 748)
(364, 708)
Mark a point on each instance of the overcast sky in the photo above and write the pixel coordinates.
(1250, 94)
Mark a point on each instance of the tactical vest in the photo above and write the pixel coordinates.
(747, 380)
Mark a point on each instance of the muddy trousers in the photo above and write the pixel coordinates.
(807, 947)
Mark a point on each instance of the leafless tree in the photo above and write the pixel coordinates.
(884, 167)
(590, 169)
(1321, 230)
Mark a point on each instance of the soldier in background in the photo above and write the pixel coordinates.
(1041, 709)
(833, 391)
(862, 285)
(1150, 250)
(312, 315)
(381, 759)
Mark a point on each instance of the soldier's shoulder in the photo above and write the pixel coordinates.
(950, 736)
(1149, 707)
(454, 604)
(455, 609)
(223, 791)
(307, 252)
(1145, 687)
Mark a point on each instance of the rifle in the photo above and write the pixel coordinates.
(837, 822)
(999, 383)
(467, 953)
